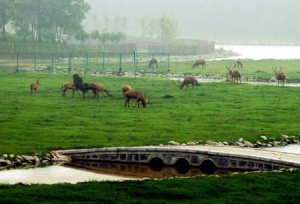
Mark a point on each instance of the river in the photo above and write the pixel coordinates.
(262, 52)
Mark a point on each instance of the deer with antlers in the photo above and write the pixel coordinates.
(280, 76)
(34, 86)
(199, 62)
(152, 62)
(235, 75)
(187, 81)
(67, 86)
(138, 96)
(126, 88)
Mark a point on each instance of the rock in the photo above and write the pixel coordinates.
(28, 158)
(209, 142)
(276, 143)
(241, 140)
(263, 137)
(36, 159)
(248, 144)
(225, 143)
(173, 143)
(3, 162)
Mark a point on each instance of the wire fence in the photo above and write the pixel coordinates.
(90, 62)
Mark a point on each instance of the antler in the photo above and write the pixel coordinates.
(228, 67)
(280, 68)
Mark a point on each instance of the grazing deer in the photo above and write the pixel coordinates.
(67, 86)
(280, 76)
(138, 96)
(84, 87)
(34, 86)
(102, 88)
(126, 88)
(238, 63)
(152, 62)
(199, 62)
(187, 81)
(235, 75)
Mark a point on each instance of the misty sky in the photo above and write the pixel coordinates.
(198, 18)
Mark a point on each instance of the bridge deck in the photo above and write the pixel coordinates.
(226, 151)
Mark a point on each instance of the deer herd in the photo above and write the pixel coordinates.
(128, 93)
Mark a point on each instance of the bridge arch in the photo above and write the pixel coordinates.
(182, 165)
(156, 163)
(208, 166)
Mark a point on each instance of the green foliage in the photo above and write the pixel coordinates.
(44, 20)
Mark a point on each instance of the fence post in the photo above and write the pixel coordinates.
(120, 63)
(69, 69)
(17, 61)
(87, 62)
(169, 62)
(52, 62)
(134, 63)
(103, 58)
(34, 60)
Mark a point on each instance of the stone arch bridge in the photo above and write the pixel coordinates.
(183, 157)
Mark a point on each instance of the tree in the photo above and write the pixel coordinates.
(48, 20)
(81, 35)
(168, 27)
(5, 8)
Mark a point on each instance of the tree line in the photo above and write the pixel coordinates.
(48, 21)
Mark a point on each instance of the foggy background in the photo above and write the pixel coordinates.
(217, 20)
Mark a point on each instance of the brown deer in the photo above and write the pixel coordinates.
(126, 88)
(67, 86)
(199, 62)
(138, 96)
(34, 86)
(152, 62)
(187, 81)
(280, 76)
(102, 88)
(235, 75)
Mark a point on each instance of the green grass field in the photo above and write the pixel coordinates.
(218, 111)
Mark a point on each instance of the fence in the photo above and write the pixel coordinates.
(94, 62)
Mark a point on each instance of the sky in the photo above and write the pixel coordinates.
(202, 18)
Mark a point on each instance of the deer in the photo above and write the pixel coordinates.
(238, 63)
(67, 86)
(84, 87)
(153, 62)
(187, 81)
(102, 88)
(280, 76)
(34, 86)
(126, 88)
(235, 75)
(199, 62)
(138, 96)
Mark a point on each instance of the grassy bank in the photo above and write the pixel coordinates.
(251, 188)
